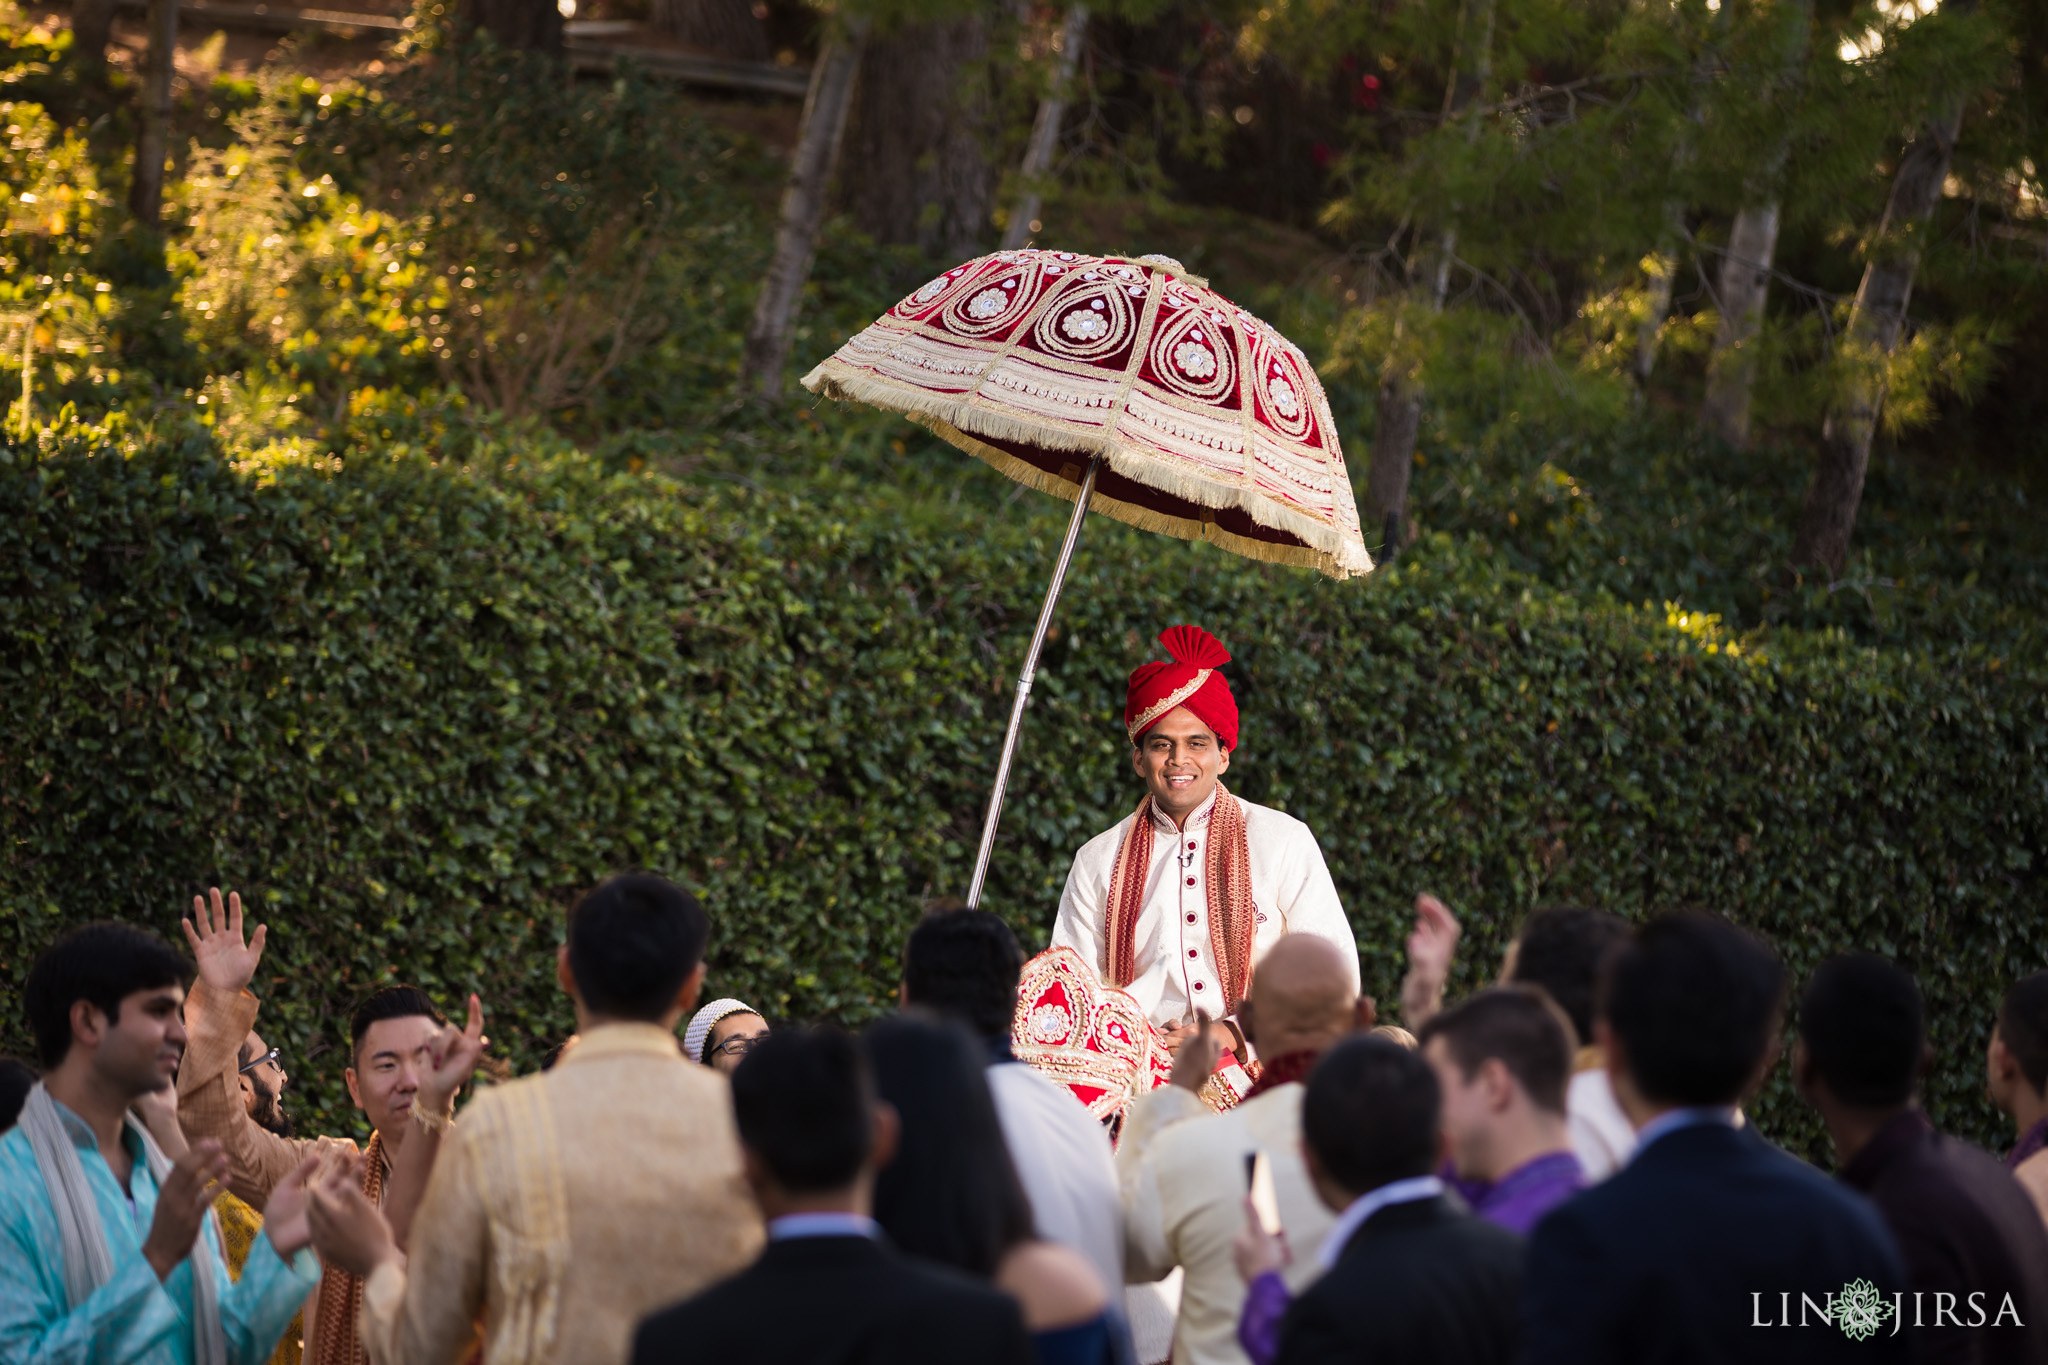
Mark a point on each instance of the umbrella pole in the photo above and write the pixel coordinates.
(1052, 595)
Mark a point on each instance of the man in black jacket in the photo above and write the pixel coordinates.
(1711, 1244)
(1976, 1254)
(1411, 1276)
(827, 1290)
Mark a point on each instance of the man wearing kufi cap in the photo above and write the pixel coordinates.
(1178, 902)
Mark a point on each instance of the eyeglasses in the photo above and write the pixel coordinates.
(265, 1060)
(737, 1045)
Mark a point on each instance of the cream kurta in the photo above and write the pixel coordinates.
(590, 1196)
(1177, 972)
(1182, 1171)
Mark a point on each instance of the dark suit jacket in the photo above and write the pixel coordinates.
(1421, 1283)
(1706, 1233)
(838, 1301)
(1967, 1230)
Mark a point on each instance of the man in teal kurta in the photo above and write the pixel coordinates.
(104, 1004)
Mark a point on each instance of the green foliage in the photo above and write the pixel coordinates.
(1946, 559)
(410, 705)
(331, 252)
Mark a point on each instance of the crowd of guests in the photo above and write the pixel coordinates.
(1556, 1168)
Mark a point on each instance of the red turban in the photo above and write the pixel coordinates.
(1191, 680)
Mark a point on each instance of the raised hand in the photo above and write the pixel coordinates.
(452, 1055)
(181, 1202)
(1200, 1046)
(347, 1229)
(1430, 950)
(226, 963)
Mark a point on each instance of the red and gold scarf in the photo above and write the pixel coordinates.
(341, 1294)
(1285, 1069)
(1232, 918)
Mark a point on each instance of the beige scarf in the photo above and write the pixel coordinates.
(1233, 920)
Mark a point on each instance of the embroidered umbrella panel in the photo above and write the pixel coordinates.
(1212, 425)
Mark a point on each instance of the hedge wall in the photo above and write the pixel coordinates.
(409, 708)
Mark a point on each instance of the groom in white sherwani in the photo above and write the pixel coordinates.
(1178, 902)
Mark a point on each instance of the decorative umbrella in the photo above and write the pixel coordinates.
(1125, 385)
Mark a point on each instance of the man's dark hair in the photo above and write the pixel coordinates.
(389, 1002)
(1560, 949)
(951, 1193)
(2023, 1025)
(1865, 1029)
(103, 964)
(1695, 1002)
(1523, 1027)
(965, 963)
(1371, 1113)
(633, 940)
(17, 1078)
(805, 1104)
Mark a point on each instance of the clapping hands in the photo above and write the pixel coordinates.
(347, 1229)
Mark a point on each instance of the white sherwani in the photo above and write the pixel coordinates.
(1177, 971)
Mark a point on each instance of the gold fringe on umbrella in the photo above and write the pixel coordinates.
(960, 423)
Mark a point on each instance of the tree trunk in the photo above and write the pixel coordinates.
(521, 25)
(826, 108)
(92, 24)
(1661, 265)
(146, 194)
(918, 170)
(1045, 132)
(1745, 276)
(1745, 283)
(1399, 418)
(725, 28)
(1393, 457)
(1828, 518)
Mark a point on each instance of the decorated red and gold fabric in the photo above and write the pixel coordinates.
(1096, 1041)
(1212, 425)
(1091, 1038)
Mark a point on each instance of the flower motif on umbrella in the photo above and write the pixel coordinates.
(1282, 394)
(1194, 358)
(1086, 324)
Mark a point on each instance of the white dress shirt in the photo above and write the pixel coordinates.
(1361, 1209)
(1184, 1182)
(1177, 971)
(1063, 1161)
(1602, 1136)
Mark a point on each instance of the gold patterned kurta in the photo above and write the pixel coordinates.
(567, 1206)
(239, 1225)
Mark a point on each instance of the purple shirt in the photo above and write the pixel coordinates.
(1258, 1327)
(2031, 1141)
(1519, 1199)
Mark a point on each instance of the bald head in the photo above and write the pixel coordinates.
(1302, 997)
